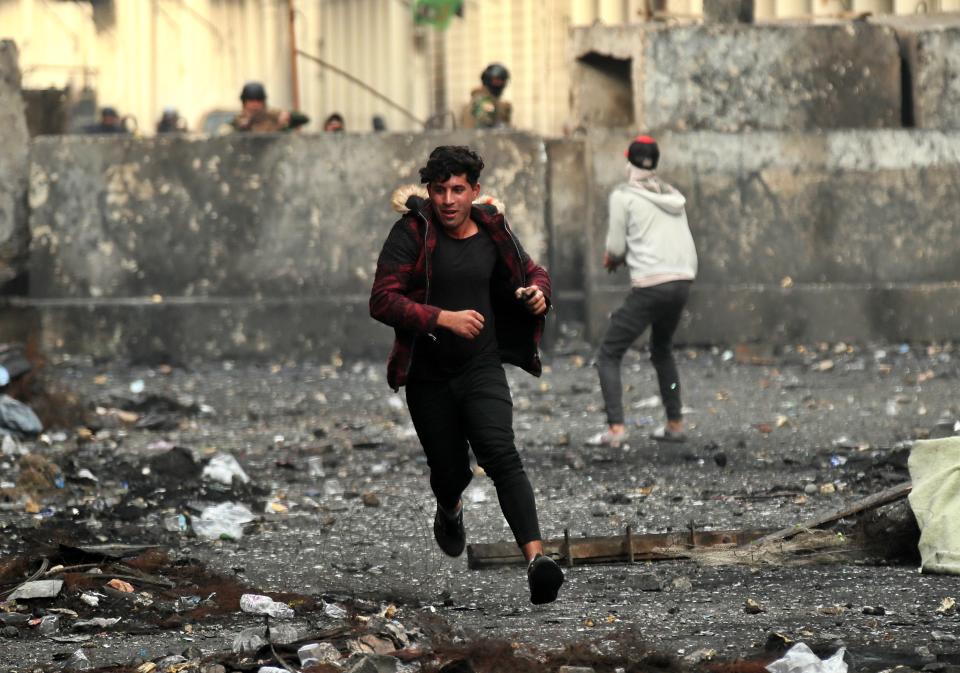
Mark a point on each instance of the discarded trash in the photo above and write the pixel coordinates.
(120, 585)
(801, 659)
(49, 624)
(37, 589)
(176, 523)
(315, 466)
(651, 402)
(224, 468)
(77, 662)
(334, 611)
(264, 605)
(837, 461)
(225, 520)
(17, 418)
(185, 603)
(947, 606)
(11, 447)
(318, 653)
(91, 599)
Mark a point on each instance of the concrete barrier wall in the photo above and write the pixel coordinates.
(242, 233)
(14, 231)
(737, 77)
(844, 235)
(930, 49)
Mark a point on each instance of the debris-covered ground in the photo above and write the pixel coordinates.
(160, 496)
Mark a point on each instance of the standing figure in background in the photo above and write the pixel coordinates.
(486, 109)
(171, 122)
(648, 232)
(110, 122)
(256, 118)
(334, 123)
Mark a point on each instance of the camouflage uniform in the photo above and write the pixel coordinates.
(486, 111)
(267, 121)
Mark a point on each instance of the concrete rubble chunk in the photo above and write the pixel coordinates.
(37, 589)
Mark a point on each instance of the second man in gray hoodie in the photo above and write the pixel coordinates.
(648, 232)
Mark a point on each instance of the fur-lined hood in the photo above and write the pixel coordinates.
(400, 201)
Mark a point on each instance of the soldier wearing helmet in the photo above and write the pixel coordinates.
(486, 110)
(255, 117)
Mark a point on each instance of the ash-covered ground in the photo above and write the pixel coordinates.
(339, 488)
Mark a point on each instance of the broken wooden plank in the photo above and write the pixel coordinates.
(626, 548)
(884, 497)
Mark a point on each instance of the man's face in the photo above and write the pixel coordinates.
(252, 105)
(110, 120)
(452, 200)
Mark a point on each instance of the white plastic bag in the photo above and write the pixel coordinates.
(801, 659)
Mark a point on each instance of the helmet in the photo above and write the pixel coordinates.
(253, 91)
(495, 72)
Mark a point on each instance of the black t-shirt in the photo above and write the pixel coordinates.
(462, 270)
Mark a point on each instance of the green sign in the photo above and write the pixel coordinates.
(437, 13)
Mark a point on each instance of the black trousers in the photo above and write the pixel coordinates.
(658, 307)
(474, 408)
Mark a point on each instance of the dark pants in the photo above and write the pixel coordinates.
(474, 407)
(660, 308)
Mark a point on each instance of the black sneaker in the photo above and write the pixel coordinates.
(545, 579)
(449, 533)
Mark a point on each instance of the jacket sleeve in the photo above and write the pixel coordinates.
(617, 227)
(389, 302)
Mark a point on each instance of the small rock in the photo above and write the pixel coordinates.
(720, 459)
(942, 636)
(810, 489)
(10, 632)
(751, 607)
(681, 584)
(370, 499)
(877, 611)
(647, 582)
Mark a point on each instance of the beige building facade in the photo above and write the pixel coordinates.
(358, 57)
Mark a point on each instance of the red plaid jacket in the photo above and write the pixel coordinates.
(401, 289)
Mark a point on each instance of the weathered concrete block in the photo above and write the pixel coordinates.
(199, 329)
(930, 46)
(566, 215)
(736, 77)
(14, 231)
(243, 216)
(831, 220)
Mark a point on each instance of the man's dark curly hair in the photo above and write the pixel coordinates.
(448, 160)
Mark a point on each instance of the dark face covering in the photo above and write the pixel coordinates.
(496, 87)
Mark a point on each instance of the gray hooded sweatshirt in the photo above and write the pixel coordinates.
(648, 226)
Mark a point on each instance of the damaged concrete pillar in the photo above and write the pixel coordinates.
(14, 233)
(728, 11)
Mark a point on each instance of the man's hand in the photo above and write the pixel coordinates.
(611, 263)
(533, 299)
(466, 324)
